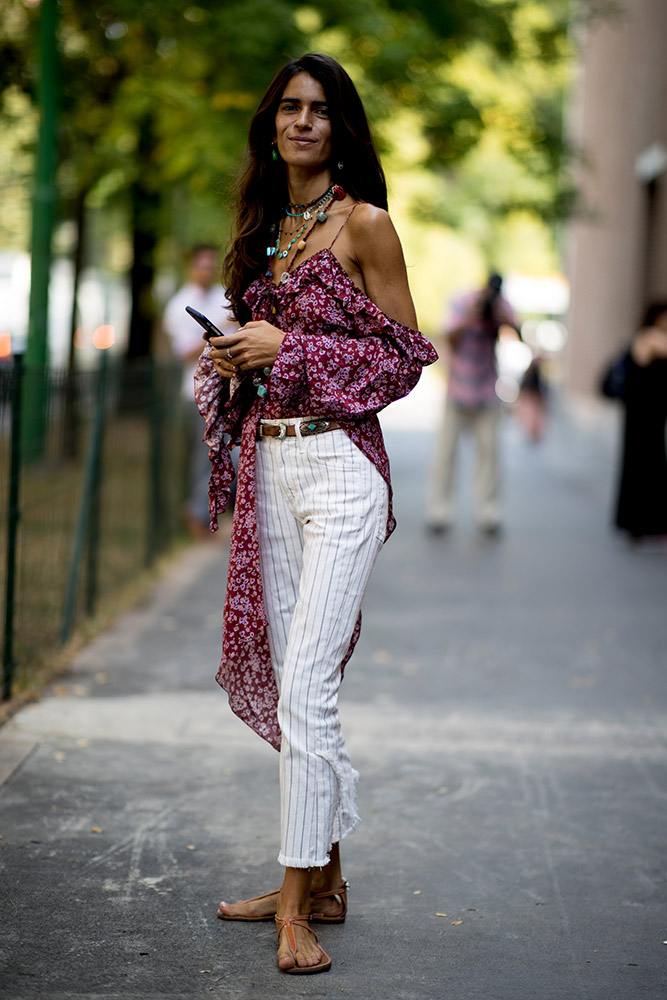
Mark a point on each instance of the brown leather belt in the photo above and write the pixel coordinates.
(307, 427)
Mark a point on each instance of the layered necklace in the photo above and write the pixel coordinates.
(318, 208)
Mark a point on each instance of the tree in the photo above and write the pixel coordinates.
(157, 98)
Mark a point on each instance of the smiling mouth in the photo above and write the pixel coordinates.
(302, 141)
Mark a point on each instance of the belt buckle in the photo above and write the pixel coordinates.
(314, 427)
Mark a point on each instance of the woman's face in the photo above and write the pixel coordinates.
(303, 127)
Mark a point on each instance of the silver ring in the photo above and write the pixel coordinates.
(229, 354)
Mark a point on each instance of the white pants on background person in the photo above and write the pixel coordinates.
(483, 423)
(321, 518)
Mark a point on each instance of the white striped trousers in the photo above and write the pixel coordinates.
(321, 517)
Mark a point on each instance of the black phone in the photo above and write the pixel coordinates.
(210, 328)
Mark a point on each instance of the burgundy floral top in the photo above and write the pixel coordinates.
(341, 358)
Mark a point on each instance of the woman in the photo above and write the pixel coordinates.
(317, 278)
(642, 497)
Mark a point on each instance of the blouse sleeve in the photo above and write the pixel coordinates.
(356, 370)
(223, 407)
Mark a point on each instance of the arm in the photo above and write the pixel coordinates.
(375, 259)
(378, 257)
(376, 354)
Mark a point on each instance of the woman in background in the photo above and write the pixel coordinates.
(641, 508)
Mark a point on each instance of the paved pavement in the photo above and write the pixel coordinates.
(506, 707)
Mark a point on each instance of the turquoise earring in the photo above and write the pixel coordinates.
(274, 153)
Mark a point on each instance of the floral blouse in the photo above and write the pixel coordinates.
(341, 358)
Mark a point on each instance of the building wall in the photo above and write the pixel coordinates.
(620, 110)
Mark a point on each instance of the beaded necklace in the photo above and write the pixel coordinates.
(319, 206)
(304, 212)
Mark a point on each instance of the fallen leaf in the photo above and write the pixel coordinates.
(191, 847)
(442, 914)
(456, 923)
(417, 892)
(59, 755)
(95, 829)
(205, 972)
(83, 743)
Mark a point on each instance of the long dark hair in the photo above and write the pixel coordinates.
(261, 191)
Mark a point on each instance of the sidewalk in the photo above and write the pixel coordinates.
(506, 708)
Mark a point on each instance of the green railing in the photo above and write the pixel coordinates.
(101, 502)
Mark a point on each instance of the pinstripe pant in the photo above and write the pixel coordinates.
(321, 517)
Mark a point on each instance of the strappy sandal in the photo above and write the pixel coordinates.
(341, 895)
(288, 924)
(318, 918)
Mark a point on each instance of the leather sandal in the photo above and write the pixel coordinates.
(318, 918)
(341, 895)
(288, 924)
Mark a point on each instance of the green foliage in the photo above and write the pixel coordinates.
(483, 81)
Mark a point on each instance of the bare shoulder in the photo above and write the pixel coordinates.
(373, 236)
(369, 222)
(377, 259)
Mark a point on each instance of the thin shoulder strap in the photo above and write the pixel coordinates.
(347, 219)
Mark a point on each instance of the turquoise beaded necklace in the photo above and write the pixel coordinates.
(304, 212)
(319, 206)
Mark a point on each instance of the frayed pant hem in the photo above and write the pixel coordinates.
(301, 863)
(351, 828)
(288, 862)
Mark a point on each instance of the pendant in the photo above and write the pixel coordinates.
(284, 278)
(322, 216)
(270, 251)
(301, 245)
(261, 391)
(307, 216)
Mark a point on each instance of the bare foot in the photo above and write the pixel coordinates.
(302, 950)
(257, 908)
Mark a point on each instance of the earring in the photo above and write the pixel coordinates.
(274, 153)
(340, 165)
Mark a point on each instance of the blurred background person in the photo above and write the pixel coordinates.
(531, 405)
(641, 508)
(471, 404)
(203, 292)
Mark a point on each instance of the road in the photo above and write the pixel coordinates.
(506, 708)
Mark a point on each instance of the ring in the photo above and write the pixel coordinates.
(229, 354)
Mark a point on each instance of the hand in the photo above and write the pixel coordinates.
(255, 345)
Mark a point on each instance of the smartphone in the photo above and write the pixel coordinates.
(210, 328)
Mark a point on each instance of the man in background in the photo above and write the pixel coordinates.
(471, 405)
(203, 292)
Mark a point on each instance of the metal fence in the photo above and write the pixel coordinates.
(93, 479)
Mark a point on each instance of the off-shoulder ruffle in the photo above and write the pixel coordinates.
(325, 270)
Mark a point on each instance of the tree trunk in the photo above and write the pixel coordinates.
(145, 207)
(71, 428)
